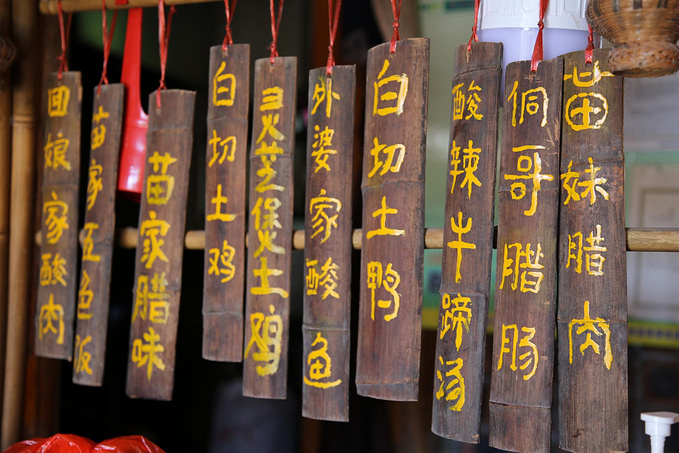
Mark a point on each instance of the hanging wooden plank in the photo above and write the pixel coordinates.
(327, 249)
(592, 316)
(99, 234)
(525, 293)
(225, 198)
(158, 269)
(468, 239)
(270, 229)
(390, 312)
(57, 288)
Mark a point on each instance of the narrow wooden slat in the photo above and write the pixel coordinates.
(225, 202)
(390, 306)
(57, 265)
(592, 313)
(158, 271)
(51, 6)
(525, 293)
(97, 240)
(270, 242)
(328, 209)
(468, 235)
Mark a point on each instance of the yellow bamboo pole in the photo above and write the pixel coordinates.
(50, 6)
(24, 14)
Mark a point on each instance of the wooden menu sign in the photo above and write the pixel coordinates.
(468, 243)
(390, 312)
(592, 316)
(225, 202)
(267, 309)
(158, 271)
(59, 250)
(327, 244)
(99, 232)
(525, 293)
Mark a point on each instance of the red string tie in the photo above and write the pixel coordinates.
(396, 36)
(333, 21)
(65, 33)
(163, 39)
(589, 50)
(275, 25)
(228, 40)
(537, 50)
(474, 36)
(107, 37)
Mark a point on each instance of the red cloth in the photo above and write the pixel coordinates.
(69, 443)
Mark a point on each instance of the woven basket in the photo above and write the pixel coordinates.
(644, 34)
(8, 53)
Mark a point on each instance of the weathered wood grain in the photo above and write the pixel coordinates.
(467, 243)
(98, 238)
(160, 247)
(225, 202)
(390, 311)
(328, 229)
(267, 301)
(525, 293)
(592, 314)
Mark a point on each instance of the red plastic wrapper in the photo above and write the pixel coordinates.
(69, 443)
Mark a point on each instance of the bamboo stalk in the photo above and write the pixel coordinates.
(50, 6)
(21, 217)
(638, 239)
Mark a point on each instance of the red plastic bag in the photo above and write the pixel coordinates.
(69, 443)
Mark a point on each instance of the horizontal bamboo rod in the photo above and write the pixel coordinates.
(51, 6)
(638, 239)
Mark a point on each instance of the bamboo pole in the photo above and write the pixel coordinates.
(50, 6)
(21, 216)
(5, 163)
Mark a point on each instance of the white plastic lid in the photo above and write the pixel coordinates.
(565, 14)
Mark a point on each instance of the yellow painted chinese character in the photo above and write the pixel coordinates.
(592, 184)
(592, 108)
(57, 101)
(269, 123)
(510, 337)
(321, 147)
(327, 278)
(455, 162)
(468, 102)
(147, 352)
(382, 214)
(150, 230)
(595, 261)
(388, 164)
(51, 314)
(227, 152)
(95, 183)
(88, 243)
(272, 99)
(159, 185)
(458, 244)
(81, 361)
(152, 303)
(99, 131)
(595, 76)
(264, 273)
(85, 297)
(218, 200)
(576, 247)
(267, 333)
(524, 165)
(523, 259)
(570, 188)
(395, 91)
(223, 87)
(55, 152)
(53, 272)
(530, 103)
(267, 218)
(266, 242)
(323, 92)
(267, 173)
(56, 221)
(389, 279)
(589, 326)
(221, 262)
(454, 390)
(322, 222)
(470, 162)
(320, 365)
(459, 102)
(459, 312)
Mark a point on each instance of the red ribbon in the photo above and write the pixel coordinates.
(107, 37)
(63, 63)
(228, 40)
(537, 51)
(589, 50)
(333, 21)
(395, 36)
(275, 25)
(474, 36)
(163, 39)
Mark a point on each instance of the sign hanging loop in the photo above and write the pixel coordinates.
(228, 10)
(65, 34)
(107, 37)
(163, 39)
